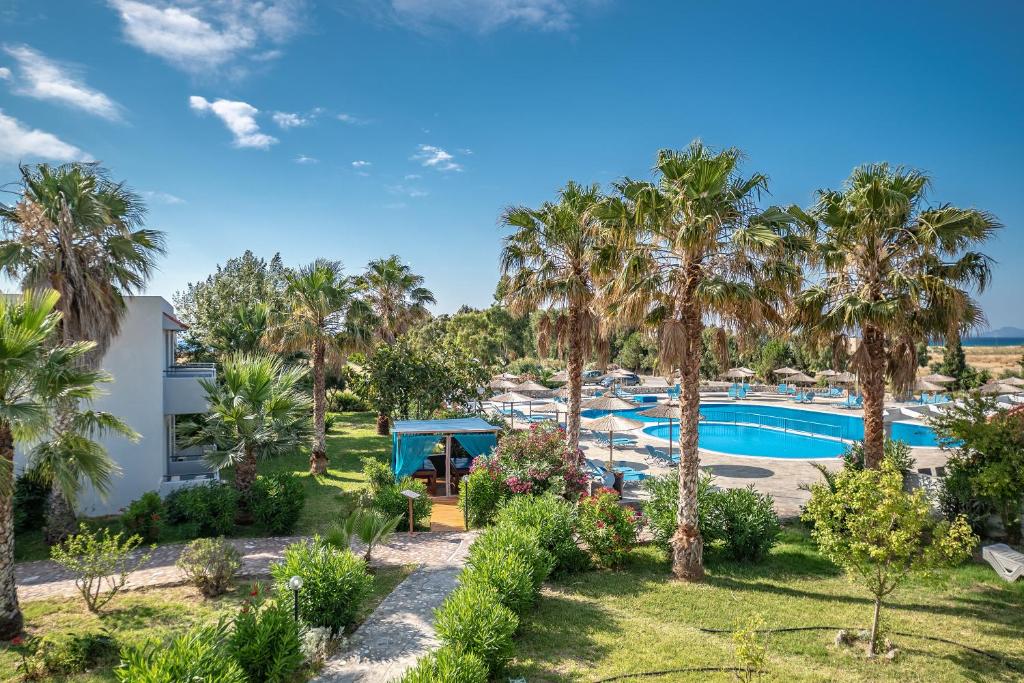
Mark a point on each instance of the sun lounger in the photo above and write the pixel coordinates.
(1008, 563)
(629, 475)
(619, 440)
(782, 389)
(661, 455)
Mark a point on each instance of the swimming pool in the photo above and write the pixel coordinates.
(775, 431)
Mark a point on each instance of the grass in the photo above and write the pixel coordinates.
(328, 497)
(156, 613)
(602, 624)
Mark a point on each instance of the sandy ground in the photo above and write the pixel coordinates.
(995, 359)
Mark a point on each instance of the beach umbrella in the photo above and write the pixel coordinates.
(737, 373)
(936, 378)
(507, 375)
(664, 411)
(828, 372)
(511, 398)
(1015, 381)
(1000, 388)
(612, 423)
(501, 384)
(750, 373)
(924, 385)
(610, 403)
(800, 378)
(845, 378)
(552, 407)
(529, 386)
(561, 376)
(786, 371)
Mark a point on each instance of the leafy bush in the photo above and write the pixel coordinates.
(210, 565)
(507, 573)
(100, 563)
(276, 501)
(335, 582)
(538, 459)
(197, 655)
(897, 452)
(30, 498)
(345, 401)
(608, 529)
(207, 510)
(63, 654)
(448, 664)
(474, 618)
(265, 640)
(957, 498)
(385, 494)
(522, 543)
(144, 516)
(482, 492)
(750, 527)
(554, 521)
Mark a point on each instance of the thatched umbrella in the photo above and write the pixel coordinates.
(664, 411)
(529, 386)
(800, 378)
(562, 376)
(924, 385)
(501, 384)
(610, 403)
(993, 388)
(845, 378)
(750, 373)
(737, 373)
(936, 378)
(511, 398)
(612, 423)
(786, 371)
(556, 408)
(1015, 381)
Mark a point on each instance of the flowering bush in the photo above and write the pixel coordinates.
(608, 529)
(538, 460)
(483, 491)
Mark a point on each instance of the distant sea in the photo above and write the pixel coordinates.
(986, 341)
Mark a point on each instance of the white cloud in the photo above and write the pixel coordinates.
(288, 120)
(412, 176)
(303, 159)
(18, 143)
(162, 197)
(197, 35)
(350, 119)
(5, 73)
(359, 163)
(406, 190)
(239, 117)
(44, 79)
(489, 15)
(436, 158)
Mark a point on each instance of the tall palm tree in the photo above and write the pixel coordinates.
(35, 372)
(396, 296)
(547, 262)
(257, 410)
(324, 318)
(693, 248)
(894, 272)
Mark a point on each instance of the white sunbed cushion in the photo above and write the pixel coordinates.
(1008, 563)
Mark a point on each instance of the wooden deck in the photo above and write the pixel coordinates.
(446, 515)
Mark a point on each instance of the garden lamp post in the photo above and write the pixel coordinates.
(295, 584)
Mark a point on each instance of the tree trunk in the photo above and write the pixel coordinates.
(318, 457)
(11, 620)
(383, 424)
(873, 638)
(873, 386)
(60, 516)
(575, 370)
(245, 475)
(687, 543)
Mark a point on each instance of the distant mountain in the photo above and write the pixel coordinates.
(1002, 332)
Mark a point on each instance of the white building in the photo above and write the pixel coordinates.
(149, 389)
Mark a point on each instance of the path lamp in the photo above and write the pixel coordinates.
(295, 584)
(412, 496)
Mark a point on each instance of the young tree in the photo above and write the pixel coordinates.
(692, 248)
(396, 296)
(865, 522)
(894, 272)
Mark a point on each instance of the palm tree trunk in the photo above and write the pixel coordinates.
(687, 543)
(245, 475)
(318, 458)
(873, 386)
(575, 369)
(60, 516)
(383, 424)
(11, 620)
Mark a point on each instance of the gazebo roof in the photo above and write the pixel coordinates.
(458, 425)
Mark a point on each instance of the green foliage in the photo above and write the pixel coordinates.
(205, 510)
(749, 525)
(987, 464)
(553, 519)
(608, 529)
(30, 495)
(773, 354)
(448, 664)
(65, 654)
(276, 502)
(522, 543)
(384, 494)
(372, 527)
(100, 562)
(197, 655)
(538, 459)
(751, 649)
(482, 491)
(345, 401)
(895, 451)
(210, 565)
(493, 334)
(660, 508)
(335, 583)
(265, 640)
(507, 573)
(144, 516)
(639, 352)
(473, 618)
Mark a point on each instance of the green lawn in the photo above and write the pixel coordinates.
(602, 624)
(328, 497)
(157, 613)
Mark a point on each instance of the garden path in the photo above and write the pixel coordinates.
(45, 579)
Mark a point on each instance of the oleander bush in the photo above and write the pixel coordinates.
(276, 502)
(210, 565)
(206, 510)
(482, 491)
(384, 493)
(660, 509)
(507, 573)
(196, 655)
(608, 529)
(516, 541)
(554, 520)
(473, 618)
(144, 516)
(265, 640)
(447, 664)
(750, 527)
(345, 401)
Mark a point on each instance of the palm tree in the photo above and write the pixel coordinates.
(323, 319)
(35, 372)
(693, 248)
(547, 262)
(243, 331)
(396, 296)
(257, 410)
(895, 273)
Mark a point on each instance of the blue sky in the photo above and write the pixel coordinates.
(354, 130)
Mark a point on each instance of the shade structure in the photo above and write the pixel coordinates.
(507, 375)
(511, 398)
(936, 378)
(993, 388)
(827, 372)
(529, 386)
(560, 376)
(922, 385)
(664, 411)
(1015, 381)
(800, 378)
(501, 384)
(747, 370)
(738, 373)
(608, 403)
(620, 372)
(786, 371)
(612, 423)
(845, 378)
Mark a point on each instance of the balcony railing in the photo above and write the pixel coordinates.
(203, 370)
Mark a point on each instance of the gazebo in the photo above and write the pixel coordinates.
(412, 441)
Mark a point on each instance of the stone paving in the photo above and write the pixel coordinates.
(46, 579)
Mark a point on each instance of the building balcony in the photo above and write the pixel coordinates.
(183, 394)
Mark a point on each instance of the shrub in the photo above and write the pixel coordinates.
(538, 459)
(607, 528)
(144, 516)
(265, 640)
(30, 498)
(660, 509)
(372, 527)
(100, 562)
(63, 654)
(482, 492)
(448, 664)
(385, 494)
(207, 510)
(554, 521)
(344, 401)
(750, 527)
(210, 565)
(474, 618)
(507, 573)
(897, 452)
(276, 501)
(197, 655)
(515, 541)
(335, 582)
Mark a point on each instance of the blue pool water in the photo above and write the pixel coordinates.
(776, 431)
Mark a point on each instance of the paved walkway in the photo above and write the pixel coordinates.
(401, 629)
(46, 579)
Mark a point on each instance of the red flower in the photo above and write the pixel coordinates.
(17, 640)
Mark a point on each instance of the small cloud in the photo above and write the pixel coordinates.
(486, 16)
(351, 120)
(359, 163)
(465, 151)
(436, 158)
(44, 79)
(162, 197)
(18, 142)
(303, 159)
(5, 73)
(413, 192)
(286, 120)
(268, 56)
(240, 119)
(412, 176)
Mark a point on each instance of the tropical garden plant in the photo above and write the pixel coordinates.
(100, 562)
(395, 295)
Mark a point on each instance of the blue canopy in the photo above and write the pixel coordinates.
(457, 425)
(413, 440)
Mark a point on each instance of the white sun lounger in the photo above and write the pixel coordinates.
(1007, 562)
